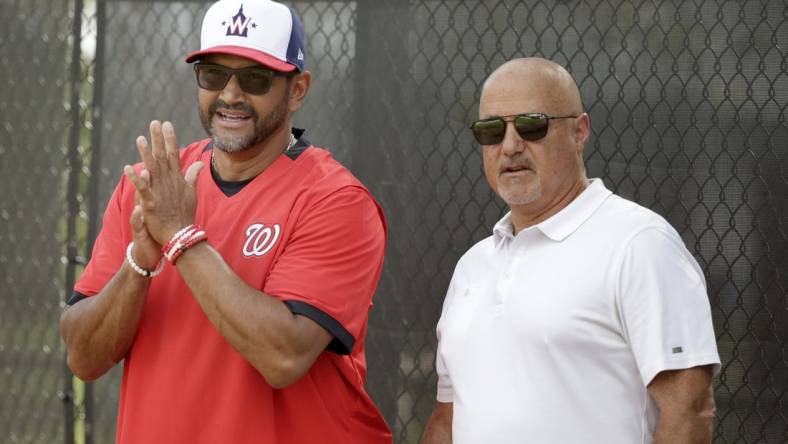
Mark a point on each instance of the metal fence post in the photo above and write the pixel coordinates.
(75, 167)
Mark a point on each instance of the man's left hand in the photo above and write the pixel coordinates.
(167, 197)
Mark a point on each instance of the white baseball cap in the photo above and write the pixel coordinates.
(261, 30)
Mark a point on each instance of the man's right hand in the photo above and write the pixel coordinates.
(146, 251)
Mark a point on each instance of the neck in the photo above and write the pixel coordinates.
(250, 162)
(528, 215)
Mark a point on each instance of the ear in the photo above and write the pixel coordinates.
(582, 132)
(299, 87)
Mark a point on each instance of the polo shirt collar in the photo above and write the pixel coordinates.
(503, 229)
(562, 224)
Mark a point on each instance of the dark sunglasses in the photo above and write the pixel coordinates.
(253, 80)
(530, 126)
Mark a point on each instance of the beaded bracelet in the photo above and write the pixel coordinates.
(179, 234)
(184, 239)
(177, 241)
(195, 239)
(140, 270)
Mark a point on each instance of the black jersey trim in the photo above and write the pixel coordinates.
(228, 188)
(76, 297)
(300, 146)
(343, 341)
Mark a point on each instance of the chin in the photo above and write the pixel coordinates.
(231, 144)
(519, 197)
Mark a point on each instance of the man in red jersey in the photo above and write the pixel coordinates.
(234, 277)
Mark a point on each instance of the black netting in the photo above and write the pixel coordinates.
(34, 68)
(688, 110)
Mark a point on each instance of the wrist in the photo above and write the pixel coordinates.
(142, 271)
(182, 240)
(189, 252)
(147, 258)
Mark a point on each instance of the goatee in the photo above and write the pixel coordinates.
(263, 128)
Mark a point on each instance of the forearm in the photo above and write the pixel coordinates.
(436, 434)
(438, 429)
(686, 405)
(99, 330)
(691, 427)
(258, 326)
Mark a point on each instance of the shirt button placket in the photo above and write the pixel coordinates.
(504, 286)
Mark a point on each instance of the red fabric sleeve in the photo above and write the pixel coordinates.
(334, 258)
(109, 250)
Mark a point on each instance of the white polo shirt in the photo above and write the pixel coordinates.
(552, 336)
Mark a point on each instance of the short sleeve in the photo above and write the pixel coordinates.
(109, 248)
(664, 306)
(331, 265)
(445, 387)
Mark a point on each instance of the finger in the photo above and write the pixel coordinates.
(138, 230)
(137, 221)
(145, 153)
(157, 142)
(193, 172)
(145, 176)
(139, 184)
(171, 146)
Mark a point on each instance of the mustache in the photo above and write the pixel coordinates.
(242, 107)
(520, 161)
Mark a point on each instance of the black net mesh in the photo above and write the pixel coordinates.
(34, 56)
(688, 108)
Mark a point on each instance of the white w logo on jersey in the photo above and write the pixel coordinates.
(260, 239)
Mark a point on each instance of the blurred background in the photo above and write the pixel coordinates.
(688, 109)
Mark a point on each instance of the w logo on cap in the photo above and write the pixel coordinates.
(239, 24)
(261, 30)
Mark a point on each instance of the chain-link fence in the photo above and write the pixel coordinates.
(688, 109)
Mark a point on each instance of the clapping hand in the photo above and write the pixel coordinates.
(166, 198)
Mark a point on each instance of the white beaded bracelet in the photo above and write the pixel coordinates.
(140, 270)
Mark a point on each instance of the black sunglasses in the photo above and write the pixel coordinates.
(530, 126)
(253, 80)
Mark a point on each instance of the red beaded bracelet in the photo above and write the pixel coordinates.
(177, 236)
(195, 239)
(184, 239)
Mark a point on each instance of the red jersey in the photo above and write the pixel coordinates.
(304, 231)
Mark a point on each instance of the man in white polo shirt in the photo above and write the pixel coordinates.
(583, 318)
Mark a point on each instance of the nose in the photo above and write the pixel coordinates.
(512, 144)
(232, 91)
